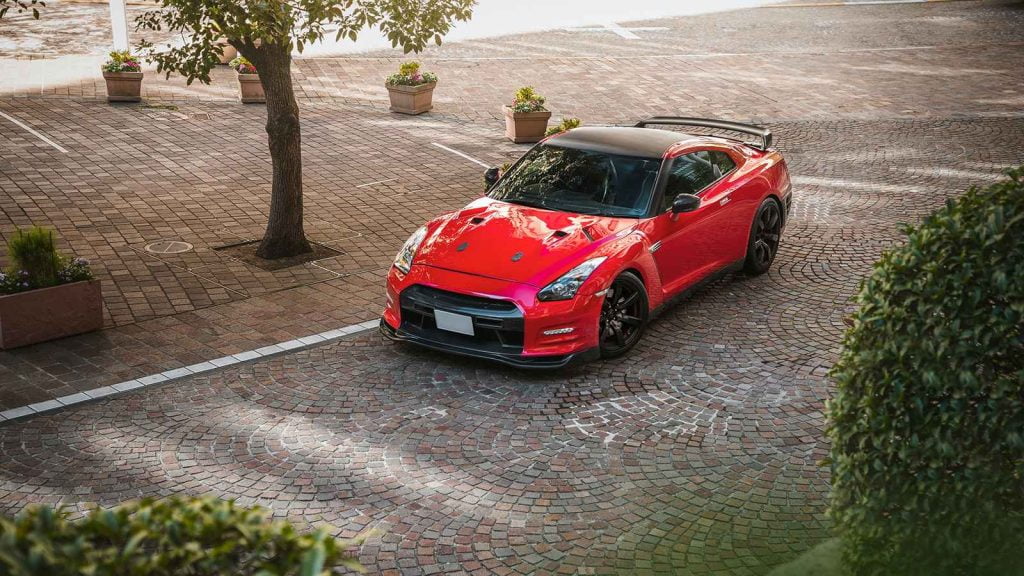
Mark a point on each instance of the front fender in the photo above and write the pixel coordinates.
(630, 253)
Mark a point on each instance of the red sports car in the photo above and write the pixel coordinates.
(577, 245)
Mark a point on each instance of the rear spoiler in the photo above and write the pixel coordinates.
(763, 133)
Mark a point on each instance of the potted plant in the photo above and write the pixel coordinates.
(527, 118)
(227, 51)
(411, 91)
(123, 75)
(44, 295)
(249, 86)
(565, 125)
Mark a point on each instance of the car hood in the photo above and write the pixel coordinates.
(516, 243)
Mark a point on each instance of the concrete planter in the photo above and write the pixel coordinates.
(412, 99)
(49, 313)
(522, 127)
(250, 90)
(229, 52)
(123, 86)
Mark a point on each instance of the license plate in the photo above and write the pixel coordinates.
(458, 323)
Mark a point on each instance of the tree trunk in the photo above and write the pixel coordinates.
(285, 235)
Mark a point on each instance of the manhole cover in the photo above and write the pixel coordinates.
(168, 247)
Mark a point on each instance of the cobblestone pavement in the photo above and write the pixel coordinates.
(696, 454)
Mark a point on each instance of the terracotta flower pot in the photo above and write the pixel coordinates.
(250, 89)
(49, 313)
(228, 52)
(521, 127)
(123, 86)
(411, 99)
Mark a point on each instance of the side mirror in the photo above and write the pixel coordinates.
(685, 203)
(490, 177)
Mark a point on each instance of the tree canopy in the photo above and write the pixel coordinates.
(21, 6)
(409, 24)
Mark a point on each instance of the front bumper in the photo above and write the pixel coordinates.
(509, 322)
(515, 360)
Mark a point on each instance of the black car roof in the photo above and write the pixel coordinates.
(642, 142)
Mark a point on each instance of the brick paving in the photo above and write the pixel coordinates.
(695, 454)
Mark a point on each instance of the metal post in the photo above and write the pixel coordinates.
(119, 24)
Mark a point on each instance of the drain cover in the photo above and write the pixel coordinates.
(168, 247)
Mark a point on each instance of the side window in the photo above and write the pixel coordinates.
(722, 162)
(689, 174)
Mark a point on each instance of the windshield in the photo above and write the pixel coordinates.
(582, 181)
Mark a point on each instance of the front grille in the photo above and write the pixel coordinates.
(497, 324)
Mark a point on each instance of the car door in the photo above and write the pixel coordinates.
(688, 245)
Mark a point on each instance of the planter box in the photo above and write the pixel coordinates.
(250, 90)
(49, 313)
(412, 99)
(123, 86)
(522, 127)
(229, 52)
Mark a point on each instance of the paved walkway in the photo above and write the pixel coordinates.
(698, 453)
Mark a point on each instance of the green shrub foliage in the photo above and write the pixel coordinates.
(36, 263)
(565, 124)
(34, 251)
(927, 424)
(173, 537)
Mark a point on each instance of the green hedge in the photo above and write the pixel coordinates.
(927, 423)
(196, 537)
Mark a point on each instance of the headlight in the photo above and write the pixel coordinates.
(566, 287)
(403, 261)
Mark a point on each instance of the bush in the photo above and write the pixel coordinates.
(197, 537)
(36, 263)
(565, 124)
(927, 424)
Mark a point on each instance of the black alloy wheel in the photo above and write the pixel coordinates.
(623, 315)
(764, 238)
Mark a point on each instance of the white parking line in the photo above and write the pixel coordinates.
(200, 368)
(456, 152)
(376, 182)
(622, 31)
(34, 133)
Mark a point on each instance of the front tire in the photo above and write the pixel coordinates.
(624, 316)
(765, 232)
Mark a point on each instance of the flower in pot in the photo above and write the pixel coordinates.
(123, 74)
(411, 91)
(527, 118)
(564, 125)
(249, 88)
(227, 51)
(44, 295)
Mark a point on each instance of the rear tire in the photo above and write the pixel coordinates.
(624, 316)
(765, 232)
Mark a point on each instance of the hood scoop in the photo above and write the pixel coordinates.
(555, 236)
(476, 220)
